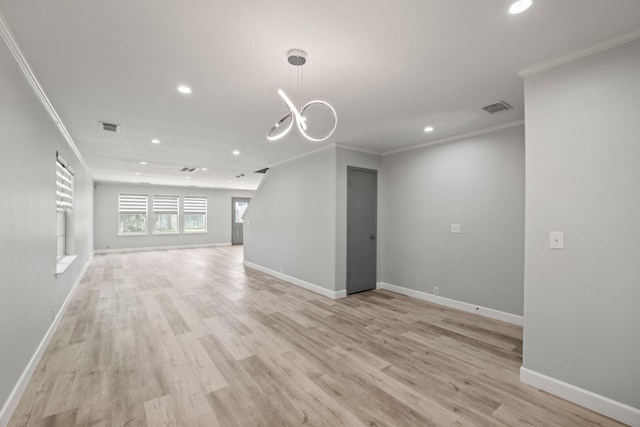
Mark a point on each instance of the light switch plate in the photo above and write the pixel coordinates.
(456, 228)
(556, 239)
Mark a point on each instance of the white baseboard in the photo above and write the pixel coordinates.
(595, 402)
(303, 284)
(18, 390)
(482, 311)
(161, 248)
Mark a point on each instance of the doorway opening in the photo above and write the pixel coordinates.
(238, 206)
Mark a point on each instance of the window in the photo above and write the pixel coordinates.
(195, 214)
(133, 214)
(165, 214)
(64, 203)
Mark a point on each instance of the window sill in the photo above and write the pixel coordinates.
(133, 234)
(165, 233)
(195, 232)
(63, 263)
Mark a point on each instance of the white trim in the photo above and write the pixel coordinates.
(579, 54)
(299, 156)
(63, 263)
(471, 308)
(457, 137)
(255, 194)
(595, 402)
(160, 248)
(306, 285)
(358, 150)
(12, 401)
(9, 40)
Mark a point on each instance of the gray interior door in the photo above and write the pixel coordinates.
(361, 229)
(238, 206)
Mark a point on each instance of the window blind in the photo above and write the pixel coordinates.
(132, 203)
(64, 184)
(195, 205)
(165, 204)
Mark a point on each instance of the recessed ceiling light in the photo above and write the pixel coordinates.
(203, 169)
(155, 141)
(520, 6)
(428, 129)
(143, 163)
(236, 153)
(137, 173)
(187, 177)
(229, 181)
(184, 89)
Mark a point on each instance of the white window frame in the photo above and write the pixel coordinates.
(166, 205)
(194, 205)
(64, 204)
(133, 204)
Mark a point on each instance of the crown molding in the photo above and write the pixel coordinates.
(458, 137)
(579, 54)
(16, 52)
(358, 150)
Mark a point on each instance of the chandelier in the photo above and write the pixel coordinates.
(297, 58)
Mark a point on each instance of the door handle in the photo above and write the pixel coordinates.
(372, 236)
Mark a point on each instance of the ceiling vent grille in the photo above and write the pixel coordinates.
(496, 107)
(188, 169)
(110, 127)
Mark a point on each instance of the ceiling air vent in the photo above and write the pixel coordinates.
(188, 169)
(496, 107)
(110, 127)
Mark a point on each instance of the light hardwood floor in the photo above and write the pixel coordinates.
(192, 338)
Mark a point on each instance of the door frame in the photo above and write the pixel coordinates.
(375, 221)
(233, 214)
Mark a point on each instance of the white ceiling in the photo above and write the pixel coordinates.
(389, 68)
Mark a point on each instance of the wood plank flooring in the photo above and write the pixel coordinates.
(192, 338)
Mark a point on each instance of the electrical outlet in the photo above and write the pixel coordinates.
(456, 228)
(436, 290)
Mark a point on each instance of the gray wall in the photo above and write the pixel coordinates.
(345, 158)
(292, 220)
(106, 216)
(582, 316)
(478, 183)
(29, 291)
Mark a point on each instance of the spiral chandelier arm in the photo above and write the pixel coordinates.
(297, 58)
